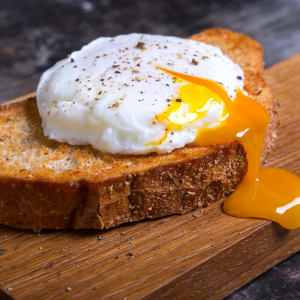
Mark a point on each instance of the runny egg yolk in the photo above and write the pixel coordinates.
(267, 193)
(194, 101)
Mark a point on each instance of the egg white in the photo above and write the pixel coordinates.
(108, 93)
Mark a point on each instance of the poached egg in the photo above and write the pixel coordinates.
(116, 94)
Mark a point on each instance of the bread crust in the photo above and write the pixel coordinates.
(47, 184)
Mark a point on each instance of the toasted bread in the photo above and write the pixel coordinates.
(47, 184)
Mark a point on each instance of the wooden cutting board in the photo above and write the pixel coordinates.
(176, 257)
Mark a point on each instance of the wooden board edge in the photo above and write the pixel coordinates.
(19, 99)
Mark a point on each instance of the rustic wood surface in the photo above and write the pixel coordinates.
(176, 257)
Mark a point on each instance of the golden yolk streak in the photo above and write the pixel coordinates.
(267, 193)
(197, 98)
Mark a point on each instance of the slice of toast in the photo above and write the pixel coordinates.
(47, 184)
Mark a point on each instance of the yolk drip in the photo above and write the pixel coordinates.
(267, 193)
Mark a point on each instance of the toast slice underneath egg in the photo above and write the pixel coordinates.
(47, 184)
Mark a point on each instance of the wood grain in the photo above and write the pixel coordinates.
(176, 257)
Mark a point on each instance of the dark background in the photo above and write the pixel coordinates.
(34, 34)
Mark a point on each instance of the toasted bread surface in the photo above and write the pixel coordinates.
(47, 184)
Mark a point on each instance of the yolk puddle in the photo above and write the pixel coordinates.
(267, 193)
